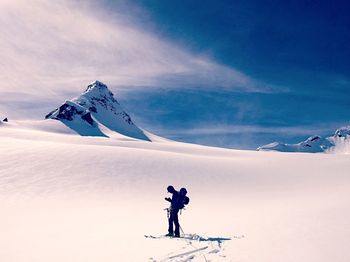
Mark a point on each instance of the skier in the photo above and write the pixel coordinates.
(173, 212)
(178, 201)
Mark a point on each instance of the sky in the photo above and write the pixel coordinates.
(235, 74)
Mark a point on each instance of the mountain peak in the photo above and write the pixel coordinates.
(96, 84)
(94, 108)
(313, 144)
(342, 132)
(96, 89)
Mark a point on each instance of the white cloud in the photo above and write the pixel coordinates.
(57, 46)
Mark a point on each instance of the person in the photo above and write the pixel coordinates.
(173, 211)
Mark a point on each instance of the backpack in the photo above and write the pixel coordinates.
(183, 199)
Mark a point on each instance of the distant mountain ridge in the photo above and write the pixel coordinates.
(313, 144)
(93, 111)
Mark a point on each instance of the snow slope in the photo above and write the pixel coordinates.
(65, 197)
(314, 144)
(95, 109)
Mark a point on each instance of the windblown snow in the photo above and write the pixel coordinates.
(66, 197)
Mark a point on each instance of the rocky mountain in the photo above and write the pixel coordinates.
(313, 144)
(95, 110)
(5, 120)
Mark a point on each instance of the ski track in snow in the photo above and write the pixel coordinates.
(195, 246)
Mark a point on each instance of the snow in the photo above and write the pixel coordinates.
(95, 113)
(342, 132)
(314, 144)
(65, 197)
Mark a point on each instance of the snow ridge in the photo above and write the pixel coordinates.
(314, 144)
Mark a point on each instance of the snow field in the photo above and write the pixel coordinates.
(68, 198)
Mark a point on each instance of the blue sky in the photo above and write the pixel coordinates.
(234, 74)
(301, 47)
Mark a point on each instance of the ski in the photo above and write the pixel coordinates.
(162, 236)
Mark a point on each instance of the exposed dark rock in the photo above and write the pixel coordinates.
(87, 117)
(65, 111)
(93, 109)
(68, 112)
(315, 138)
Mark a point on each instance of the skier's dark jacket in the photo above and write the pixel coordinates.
(178, 200)
(174, 200)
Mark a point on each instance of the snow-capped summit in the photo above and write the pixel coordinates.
(313, 144)
(98, 89)
(98, 105)
(342, 132)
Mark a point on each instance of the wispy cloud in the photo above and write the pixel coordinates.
(240, 129)
(58, 46)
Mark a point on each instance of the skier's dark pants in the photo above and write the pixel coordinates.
(174, 219)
